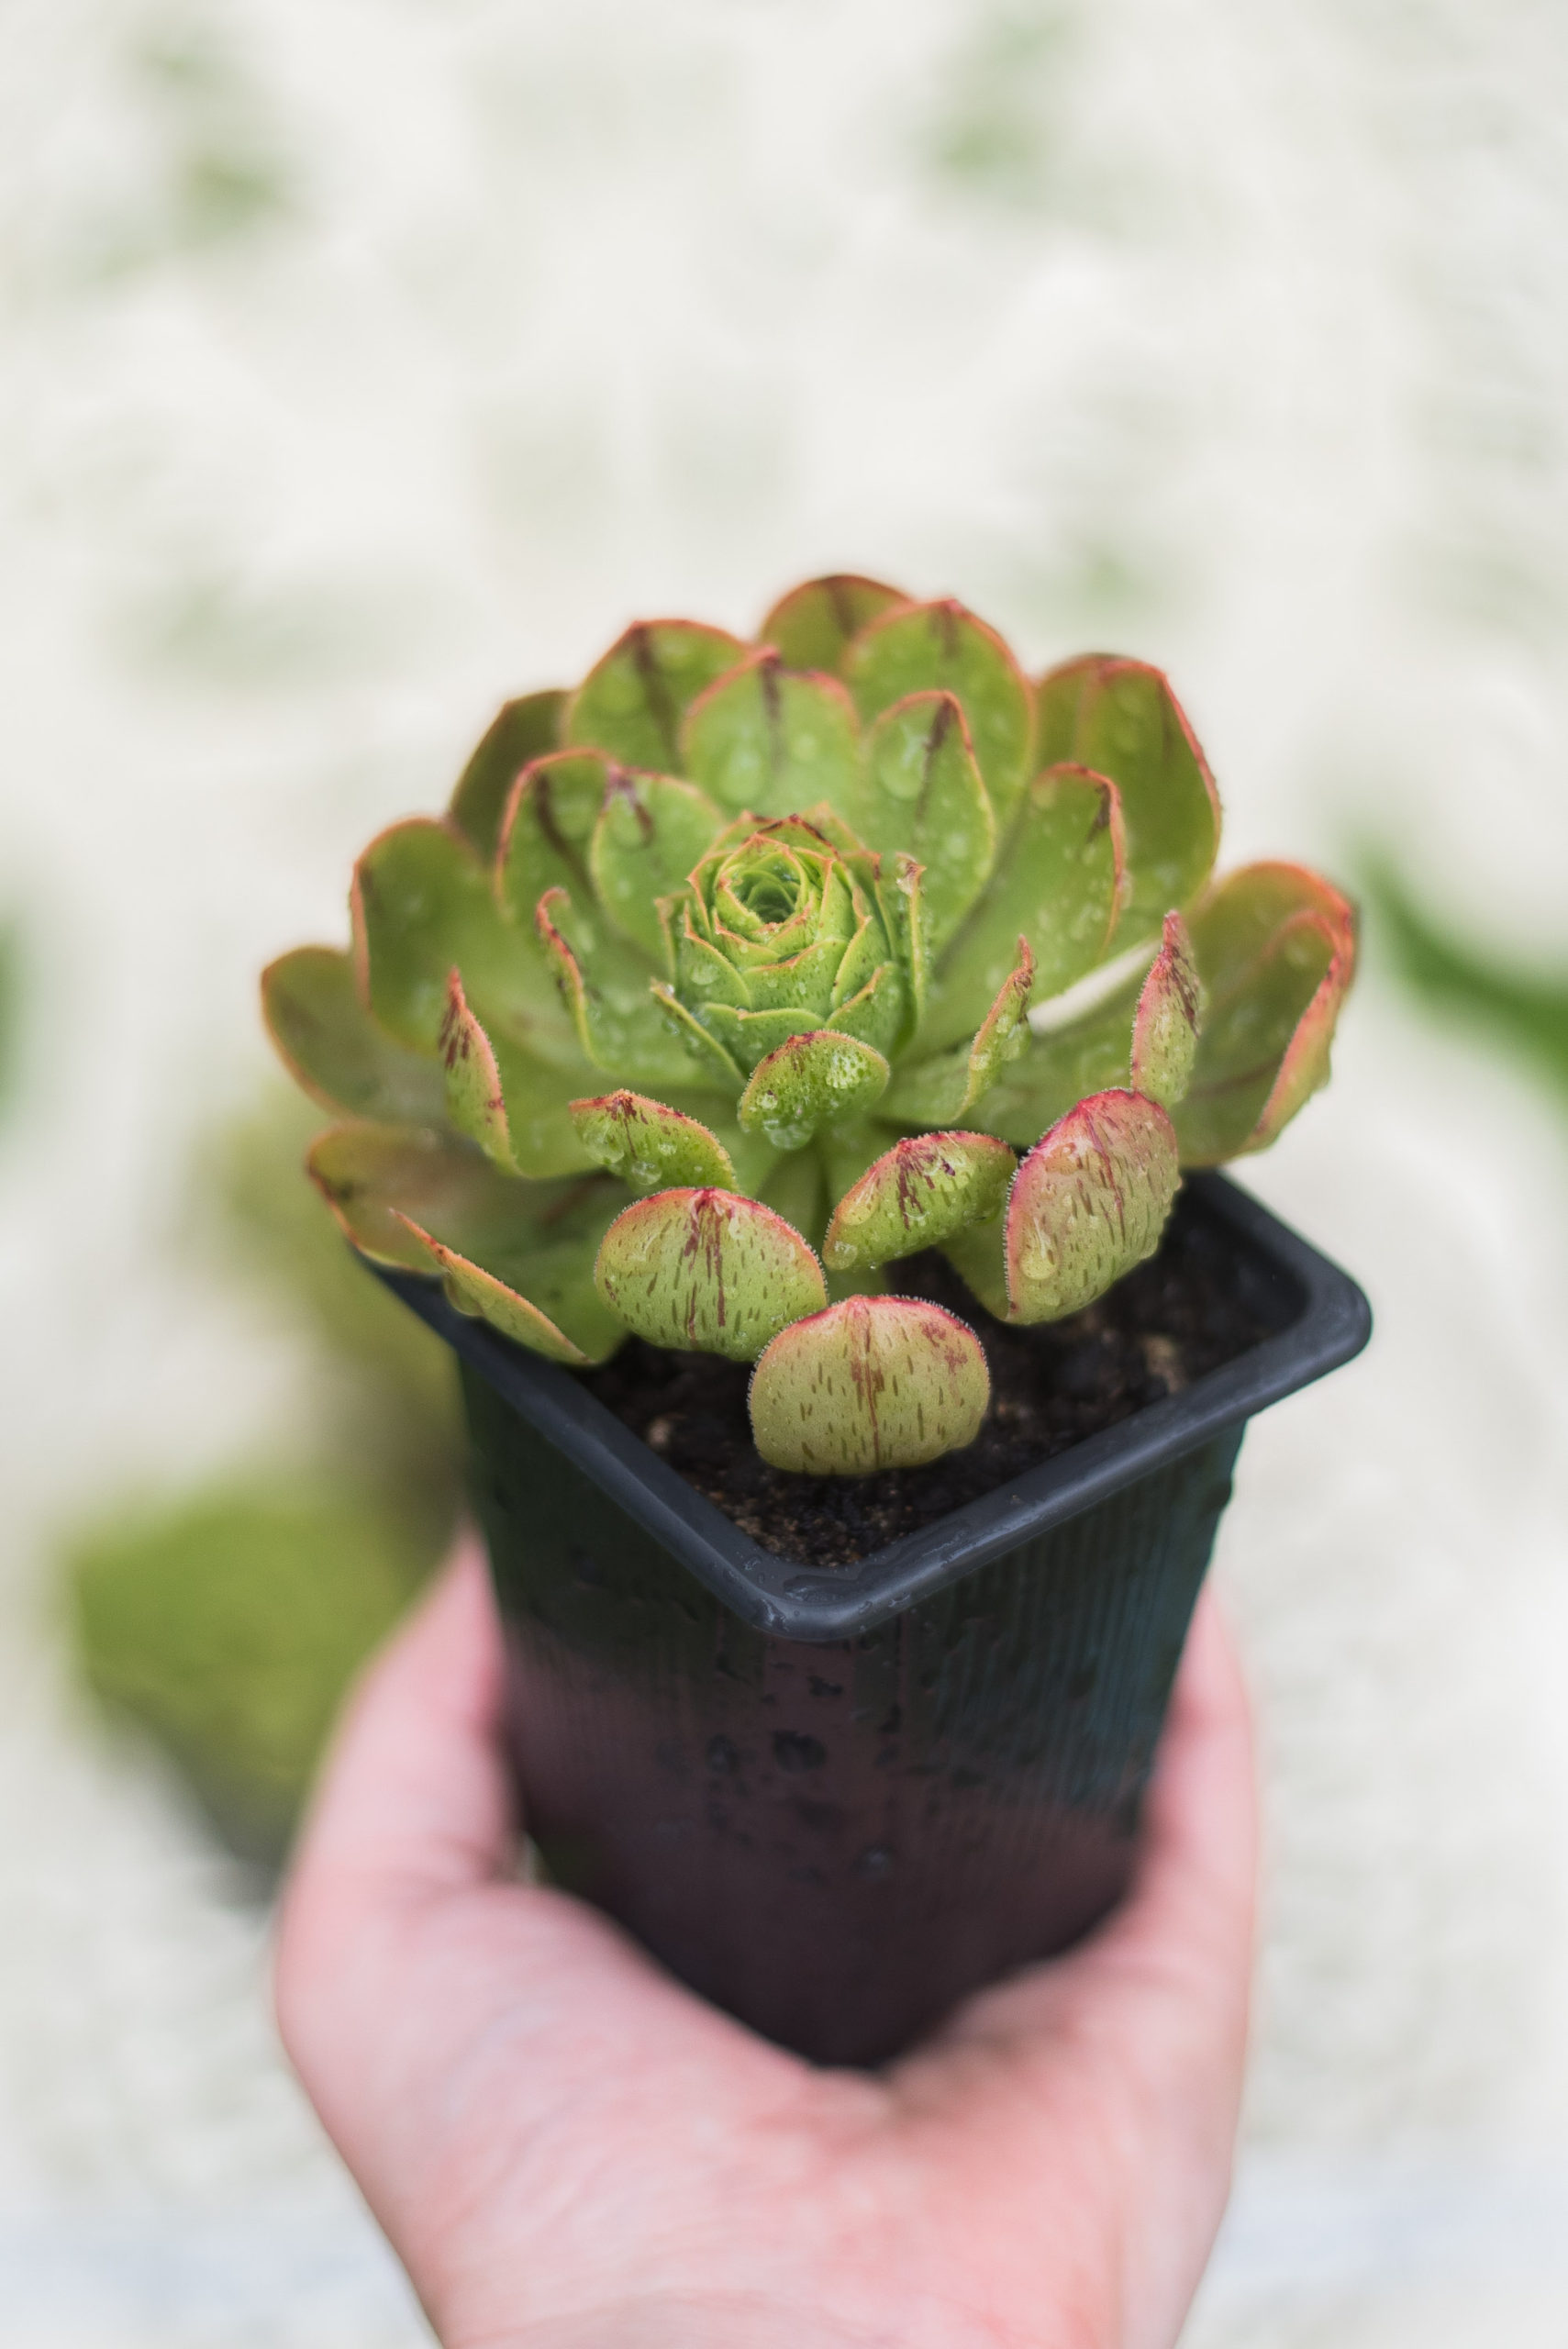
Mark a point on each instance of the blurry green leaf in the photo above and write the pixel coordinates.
(10, 1008)
(228, 1626)
(1527, 1012)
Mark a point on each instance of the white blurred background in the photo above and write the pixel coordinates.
(366, 361)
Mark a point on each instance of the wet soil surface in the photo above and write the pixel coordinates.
(1182, 1314)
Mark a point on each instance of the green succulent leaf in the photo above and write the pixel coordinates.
(1089, 1201)
(1275, 948)
(651, 1146)
(795, 1186)
(979, 1255)
(873, 1382)
(378, 1179)
(943, 648)
(1166, 1025)
(936, 1090)
(918, 1195)
(708, 1272)
(650, 831)
(1121, 718)
(516, 1108)
(747, 1037)
(367, 1172)
(901, 895)
(707, 1060)
(1057, 884)
(524, 730)
(812, 626)
(877, 1015)
(488, 1297)
(619, 1015)
(547, 829)
(422, 906)
(404, 1196)
(632, 704)
(1055, 1071)
(918, 788)
(332, 1047)
(767, 738)
(814, 1080)
(475, 1102)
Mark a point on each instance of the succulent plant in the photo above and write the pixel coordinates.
(746, 970)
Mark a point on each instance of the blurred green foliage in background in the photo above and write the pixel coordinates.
(10, 1010)
(1525, 1011)
(228, 1623)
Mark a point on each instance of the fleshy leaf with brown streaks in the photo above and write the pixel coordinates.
(943, 648)
(821, 1078)
(918, 788)
(918, 1195)
(632, 704)
(650, 832)
(651, 1146)
(1089, 1201)
(812, 626)
(873, 1383)
(771, 739)
(708, 1272)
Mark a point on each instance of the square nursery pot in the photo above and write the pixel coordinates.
(834, 1801)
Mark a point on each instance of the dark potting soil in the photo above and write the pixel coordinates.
(1170, 1321)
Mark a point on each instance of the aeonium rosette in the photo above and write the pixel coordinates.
(746, 971)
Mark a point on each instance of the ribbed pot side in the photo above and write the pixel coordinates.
(837, 1842)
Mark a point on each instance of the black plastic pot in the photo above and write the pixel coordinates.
(835, 1801)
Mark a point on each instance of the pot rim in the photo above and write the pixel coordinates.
(1327, 1322)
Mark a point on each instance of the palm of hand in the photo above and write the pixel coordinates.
(569, 2151)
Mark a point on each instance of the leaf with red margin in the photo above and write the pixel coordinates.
(943, 648)
(918, 1195)
(1088, 1203)
(1166, 1025)
(488, 1297)
(400, 1194)
(631, 704)
(1275, 947)
(332, 1047)
(873, 1382)
(708, 1272)
(1121, 718)
(812, 626)
(1057, 882)
(768, 740)
(547, 830)
(524, 730)
(918, 788)
(651, 830)
(514, 1108)
(475, 1104)
(421, 906)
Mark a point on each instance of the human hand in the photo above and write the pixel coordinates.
(568, 2150)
